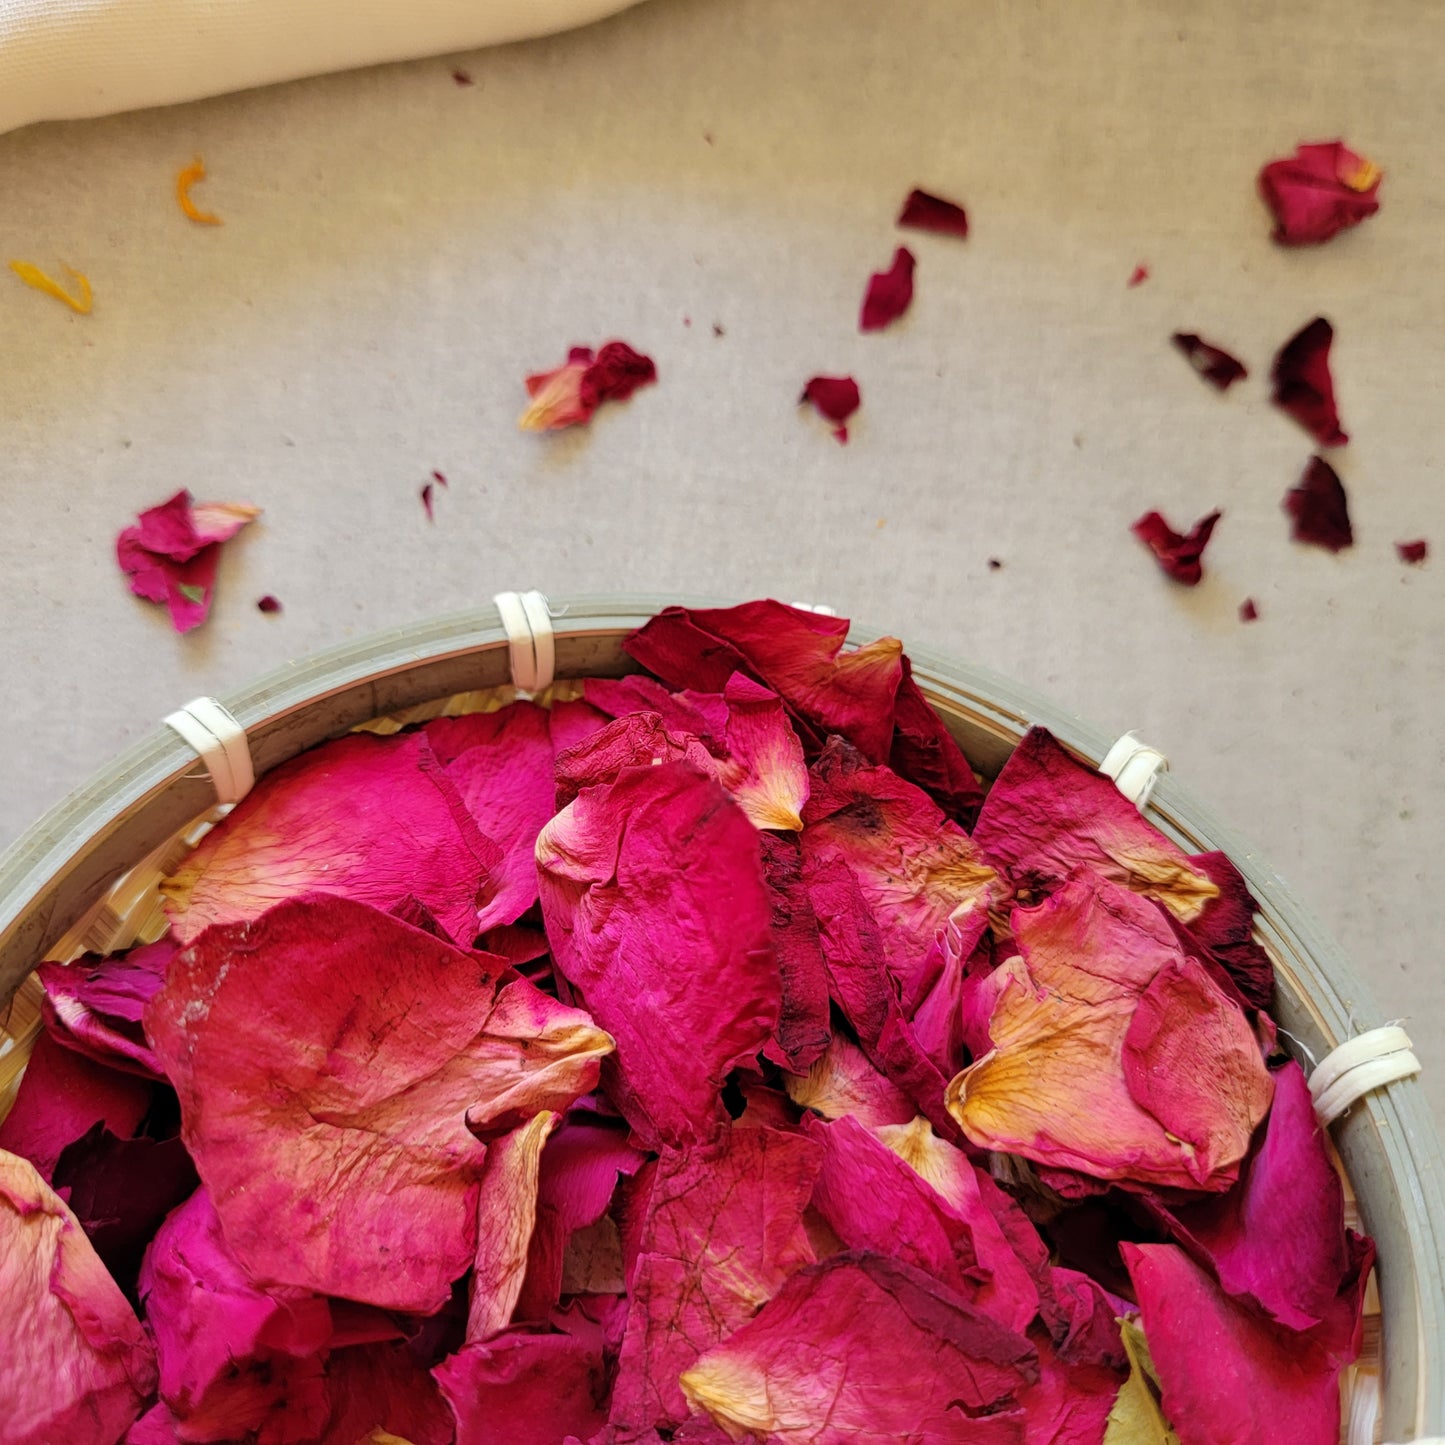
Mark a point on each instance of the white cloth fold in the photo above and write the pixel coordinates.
(65, 59)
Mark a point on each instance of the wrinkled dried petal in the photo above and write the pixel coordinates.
(835, 398)
(889, 293)
(1100, 1004)
(652, 889)
(821, 1363)
(77, 1365)
(842, 1083)
(1249, 610)
(926, 753)
(329, 1042)
(1179, 555)
(1318, 192)
(1071, 1402)
(379, 1394)
(1318, 509)
(803, 1023)
(634, 740)
(342, 818)
(618, 696)
(1303, 386)
(1218, 368)
(571, 394)
(923, 212)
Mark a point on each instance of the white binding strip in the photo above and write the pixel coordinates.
(527, 621)
(1364, 1411)
(220, 741)
(1135, 767)
(1361, 1064)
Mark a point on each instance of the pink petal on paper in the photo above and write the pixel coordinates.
(1318, 509)
(1218, 368)
(652, 890)
(77, 1365)
(916, 868)
(343, 818)
(803, 1022)
(822, 1363)
(1318, 192)
(795, 652)
(889, 293)
(233, 1358)
(835, 398)
(329, 1043)
(525, 1389)
(381, 1387)
(61, 1096)
(1077, 1022)
(723, 1231)
(1226, 1372)
(501, 765)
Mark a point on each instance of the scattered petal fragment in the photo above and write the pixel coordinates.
(1318, 508)
(1413, 553)
(1249, 610)
(1303, 386)
(1218, 368)
(1318, 192)
(835, 398)
(889, 293)
(187, 177)
(569, 395)
(268, 604)
(923, 212)
(1179, 556)
(1138, 276)
(80, 302)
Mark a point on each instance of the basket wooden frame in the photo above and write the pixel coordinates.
(59, 870)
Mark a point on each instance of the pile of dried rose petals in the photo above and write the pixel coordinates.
(705, 1058)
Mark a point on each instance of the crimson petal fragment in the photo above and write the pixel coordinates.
(379, 1395)
(571, 394)
(1303, 386)
(78, 1366)
(924, 212)
(652, 890)
(889, 293)
(1413, 552)
(329, 1044)
(803, 1024)
(1178, 554)
(1319, 192)
(1218, 368)
(835, 398)
(926, 753)
(1318, 508)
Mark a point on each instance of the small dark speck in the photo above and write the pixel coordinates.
(1405, 814)
(687, 320)
(268, 603)
(287, 441)
(125, 442)
(462, 78)
(707, 136)
(1079, 439)
(717, 329)
(994, 564)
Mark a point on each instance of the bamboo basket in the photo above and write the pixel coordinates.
(84, 877)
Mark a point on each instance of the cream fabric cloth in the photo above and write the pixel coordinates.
(64, 59)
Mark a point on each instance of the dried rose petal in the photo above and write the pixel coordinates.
(926, 753)
(933, 997)
(618, 696)
(1318, 508)
(1138, 276)
(1218, 368)
(1114, 1053)
(842, 1083)
(380, 1394)
(328, 1043)
(821, 1363)
(268, 603)
(723, 1231)
(803, 1024)
(344, 818)
(617, 373)
(1178, 556)
(77, 1365)
(653, 895)
(1318, 192)
(1071, 1402)
(426, 500)
(764, 771)
(1303, 386)
(1228, 1373)
(835, 398)
(1413, 552)
(571, 394)
(1248, 610)
(924, 212)
(171, 553)
(889, 293)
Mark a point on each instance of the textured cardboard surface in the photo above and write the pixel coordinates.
(399, 250)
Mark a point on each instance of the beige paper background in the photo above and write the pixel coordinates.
(398, 251)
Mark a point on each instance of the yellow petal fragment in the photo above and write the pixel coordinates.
(1137, 1417)
(188, 177)
(34, 277)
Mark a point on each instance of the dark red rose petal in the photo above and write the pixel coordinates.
(835, 398)
(1248, 612)
(1179, 556)
(1217, 367)
(923, 212)
(1413, 552)
(1318, 192)
(1138, 276)
(617, 373)
(889, 293)
(426, 496)
(1303, 386)
(1318, 508)
(268, 603)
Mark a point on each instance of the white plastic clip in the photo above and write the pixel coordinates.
(528, 622)
(221, 742)
(1135, 768)
(821, 608)
(1361, 1064)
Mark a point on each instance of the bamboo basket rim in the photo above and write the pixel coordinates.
(154, 792)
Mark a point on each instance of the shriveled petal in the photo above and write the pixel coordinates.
(1178, 554)
(889, 293)
(1303, 386)
(329, 1044)
(557, 399)
(77, 1365)
(1318, 192)
(633, 740)
(1318, 509)
(652, 889)
(1217, 367)
(803, 1021)
(343, 818)
(924, 212)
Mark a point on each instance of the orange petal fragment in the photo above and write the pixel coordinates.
(188, 177)
(33, 276)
